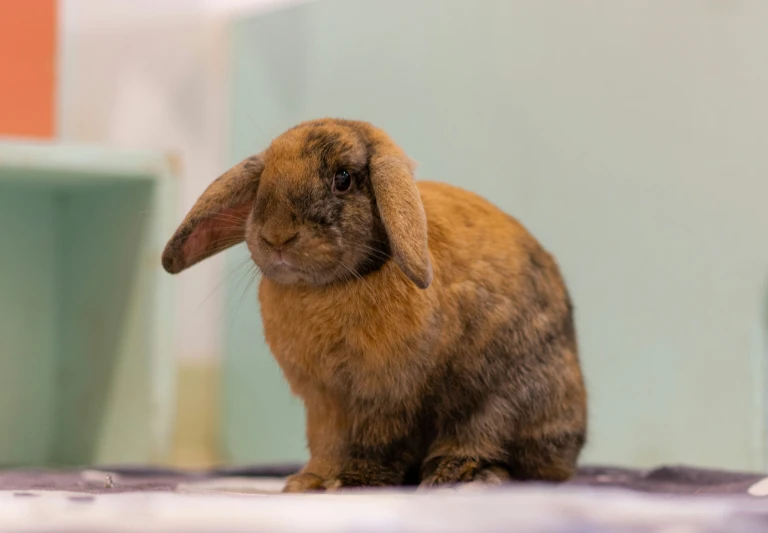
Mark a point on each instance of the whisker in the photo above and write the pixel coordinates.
(251, 278)
(252, 275)
(240, 264)
(364, 246)
(359, 277)
(243, 276)
(226, 216)
(218, 246)
(373, 253)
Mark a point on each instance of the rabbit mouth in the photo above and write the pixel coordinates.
(285, 270)
(281, 260)
(283, 264)
(285, 273)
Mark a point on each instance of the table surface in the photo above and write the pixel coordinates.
(599, 499)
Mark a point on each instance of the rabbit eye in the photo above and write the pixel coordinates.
(342, 181)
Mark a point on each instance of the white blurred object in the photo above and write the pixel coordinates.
(153, 74)
(235, 7)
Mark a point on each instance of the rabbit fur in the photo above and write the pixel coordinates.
(430, 337)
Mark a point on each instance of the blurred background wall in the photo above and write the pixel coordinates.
(630, 137)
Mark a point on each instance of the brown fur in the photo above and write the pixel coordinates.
(429, 335)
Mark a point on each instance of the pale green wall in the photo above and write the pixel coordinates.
(630, 137)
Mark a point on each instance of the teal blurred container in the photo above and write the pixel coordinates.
(86, 362)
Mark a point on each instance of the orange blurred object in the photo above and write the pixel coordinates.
(28, 42)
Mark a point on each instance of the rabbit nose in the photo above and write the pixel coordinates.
(278, 239)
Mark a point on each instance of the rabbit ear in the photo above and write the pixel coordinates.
(400, 208)
(217, 220)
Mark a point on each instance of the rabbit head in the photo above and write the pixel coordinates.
(326, 201)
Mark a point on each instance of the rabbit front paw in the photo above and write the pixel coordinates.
(304, 483)
(365, 473)
(447, 471)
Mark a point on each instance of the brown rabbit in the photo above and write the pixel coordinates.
(429, 335)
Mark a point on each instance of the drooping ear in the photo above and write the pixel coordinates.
(400, 207)
(217, 220)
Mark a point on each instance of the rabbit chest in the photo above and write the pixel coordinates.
(357, 341)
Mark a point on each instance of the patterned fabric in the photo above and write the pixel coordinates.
(599, 500)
